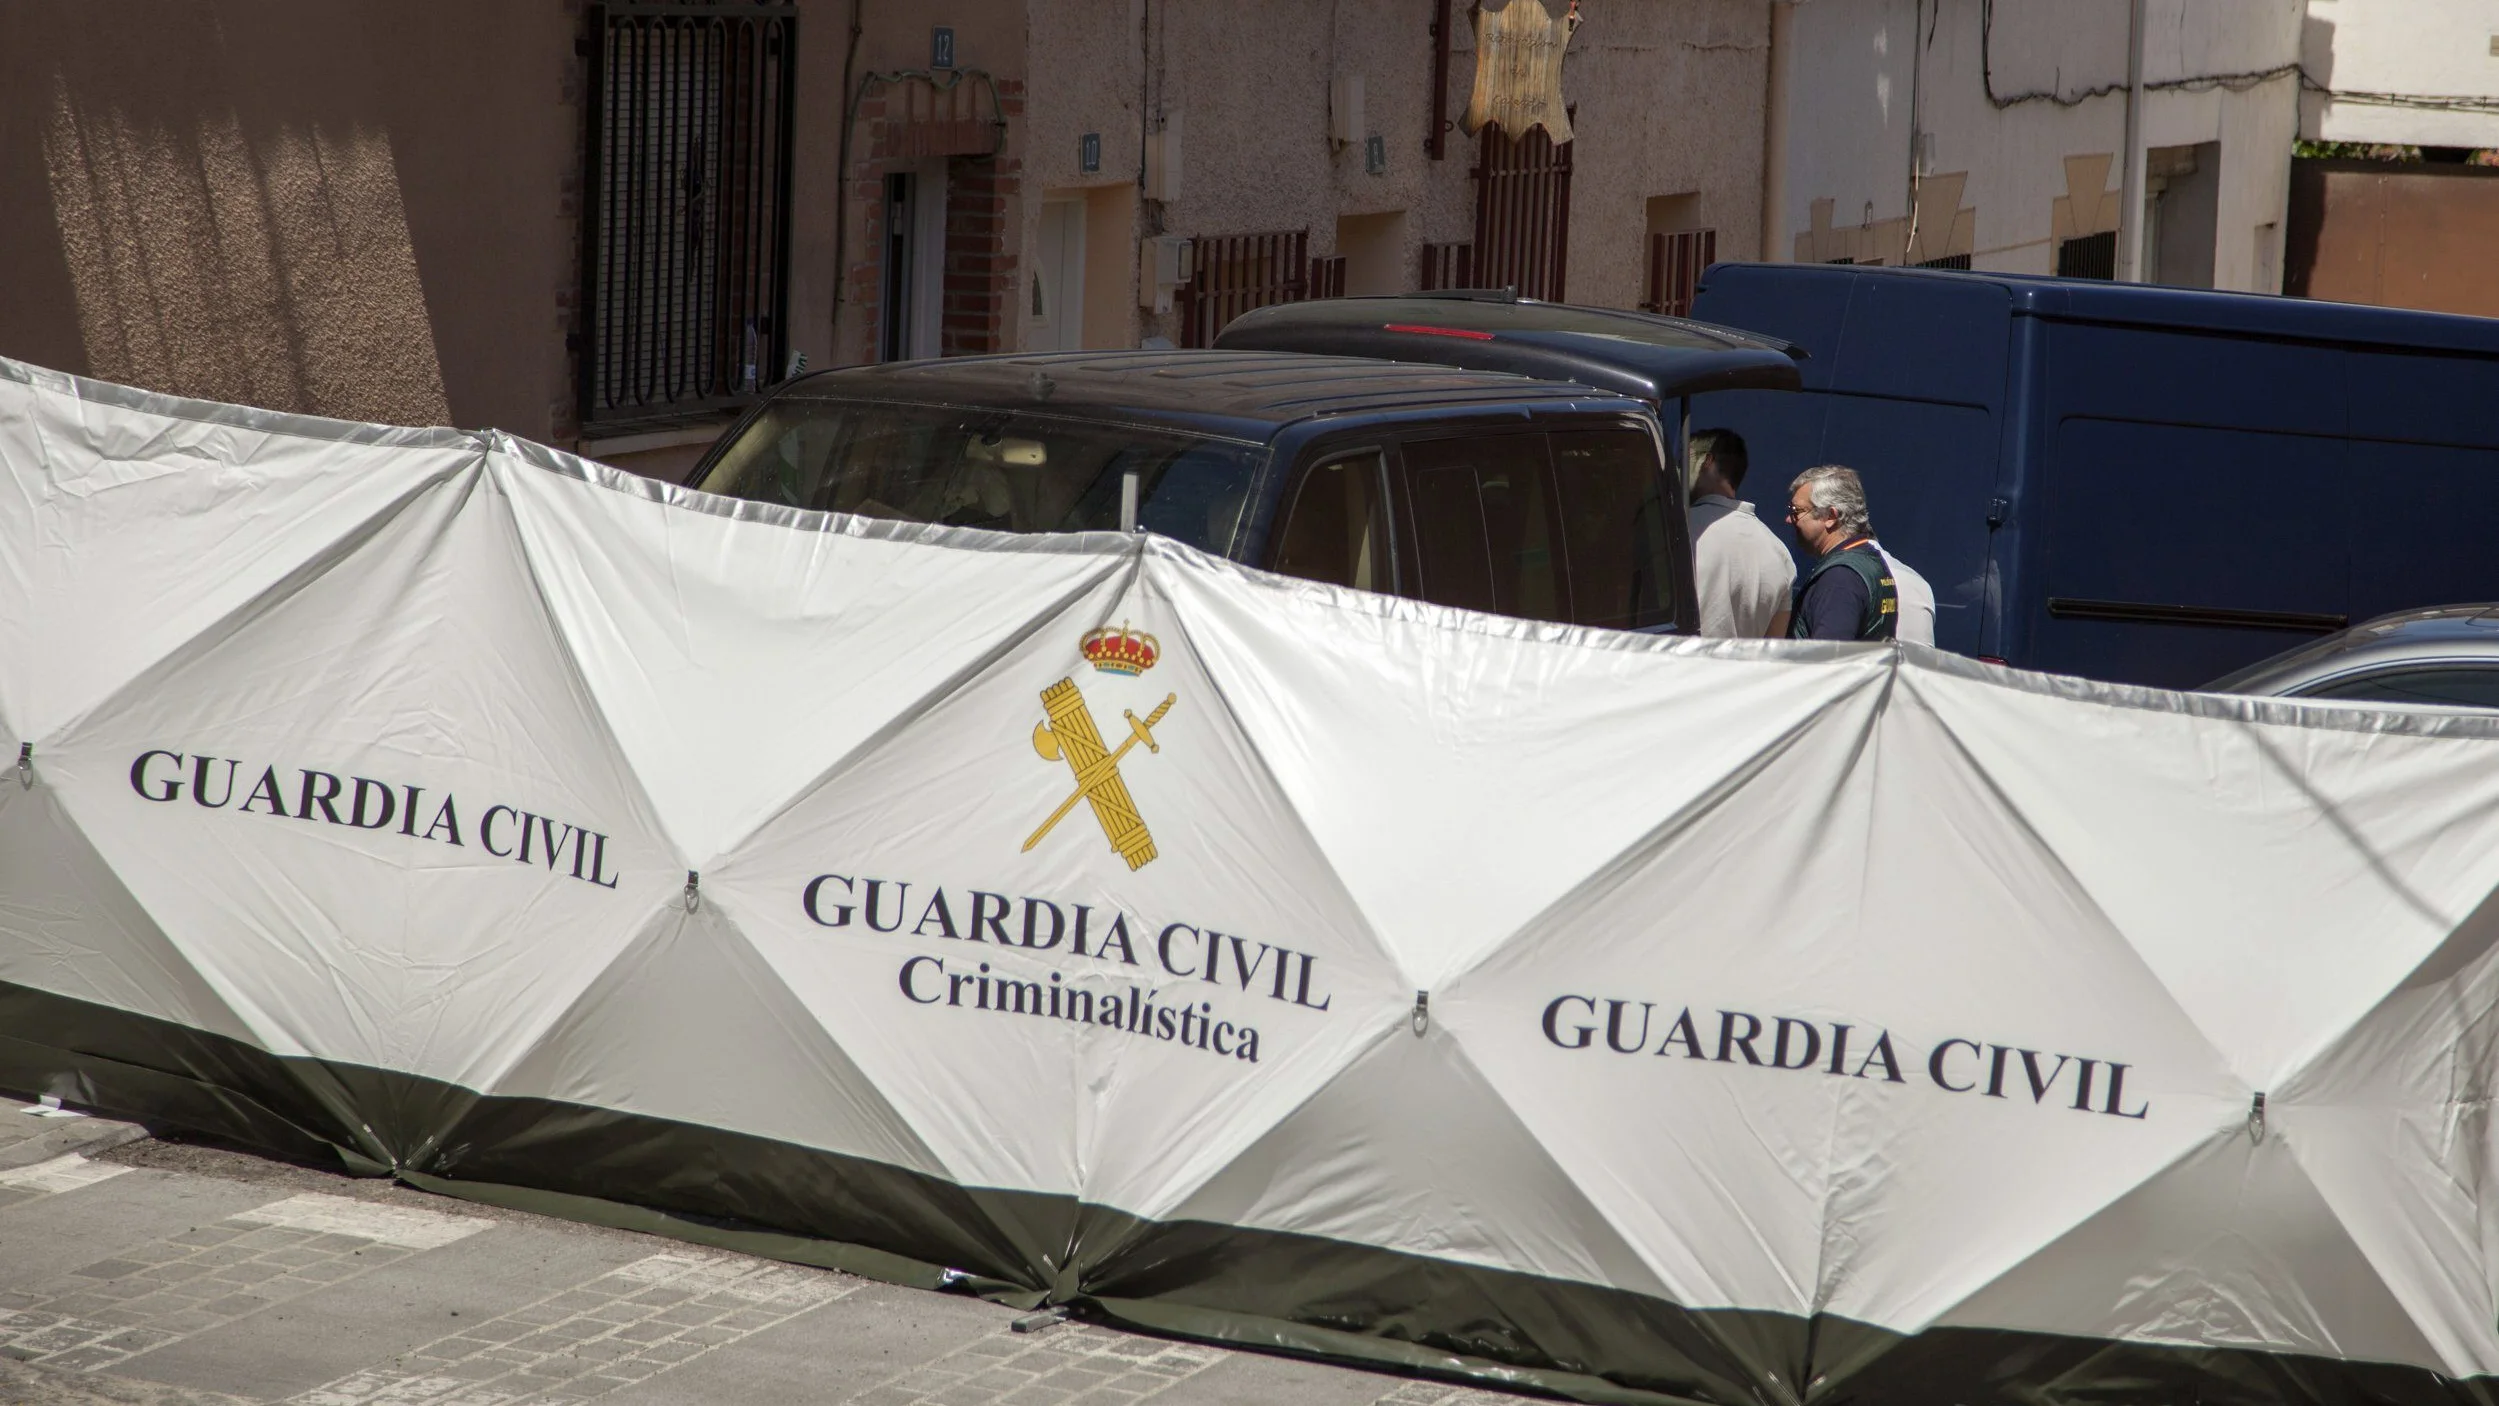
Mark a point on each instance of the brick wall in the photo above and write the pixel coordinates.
(899, 126)
(862, 280)
(980, 277)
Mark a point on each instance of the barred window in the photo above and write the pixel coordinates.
(1522, 212)
(2092, 256)
(686, 235)
(1676, 261)
(1447, 266)
(1229, 274)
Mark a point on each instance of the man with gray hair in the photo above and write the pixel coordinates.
(1848, 593)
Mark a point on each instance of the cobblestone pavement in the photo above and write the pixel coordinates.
(145, 1273)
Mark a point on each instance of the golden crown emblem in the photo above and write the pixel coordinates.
(1122, 651)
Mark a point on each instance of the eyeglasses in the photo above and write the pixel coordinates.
(1797, 510)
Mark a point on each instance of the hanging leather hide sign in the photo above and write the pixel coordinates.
(1518, 70)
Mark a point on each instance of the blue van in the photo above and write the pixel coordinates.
(2151, 485)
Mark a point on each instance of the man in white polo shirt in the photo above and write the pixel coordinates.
(1917, 601)
(1740, 569)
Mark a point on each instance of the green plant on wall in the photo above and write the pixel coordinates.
(2355, 151)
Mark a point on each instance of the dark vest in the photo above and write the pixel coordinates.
(1882, 612)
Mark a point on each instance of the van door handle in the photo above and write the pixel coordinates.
(1998, 509)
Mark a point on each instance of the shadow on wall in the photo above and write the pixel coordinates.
(225, 211)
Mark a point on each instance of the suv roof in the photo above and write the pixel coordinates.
(1647, 356)
(1243, 395)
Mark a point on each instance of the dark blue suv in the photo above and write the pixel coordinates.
(1533, 497)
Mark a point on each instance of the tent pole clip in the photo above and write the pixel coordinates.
(1422, 1012)
(26, 765)
(693, 890)
(2256, 1118)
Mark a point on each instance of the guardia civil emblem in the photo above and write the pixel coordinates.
(1068, 733)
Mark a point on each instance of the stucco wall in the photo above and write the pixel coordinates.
(1668, 92)
(1669, 100)
(2015, 115)
(284, 202)
(372, 213)
(1086, 72)
(2394, 68)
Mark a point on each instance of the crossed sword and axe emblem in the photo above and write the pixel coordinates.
(1069, 732)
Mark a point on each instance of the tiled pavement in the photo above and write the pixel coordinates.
(180, 1276)
(624, 1327)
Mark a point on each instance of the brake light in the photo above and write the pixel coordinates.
(1421, 330)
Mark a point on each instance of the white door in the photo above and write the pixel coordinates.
(1055, 315)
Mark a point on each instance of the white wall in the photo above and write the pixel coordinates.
(2372, 54)
(1858, 67)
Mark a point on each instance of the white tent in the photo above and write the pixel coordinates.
(1085, 921)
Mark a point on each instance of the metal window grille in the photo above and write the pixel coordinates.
(686, 240)
(2092, 256)
(1949, 261)
(1327, 277)
(1231, 273)
(1675, 264)
(1522, 212)
(1447, 266)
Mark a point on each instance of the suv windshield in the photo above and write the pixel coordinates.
(968, 467)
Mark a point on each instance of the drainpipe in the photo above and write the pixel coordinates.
(1917, 65)
(1776, 245)
(841, 183)
(2130, 196)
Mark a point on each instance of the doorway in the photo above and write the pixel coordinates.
(910, 283)
(2182, 206)
(1374, 250)
(1055, 307)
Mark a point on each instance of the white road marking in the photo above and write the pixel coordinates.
(403, 1226)
(64, 1173)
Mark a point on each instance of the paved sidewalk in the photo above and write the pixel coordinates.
(43, 1131)
(149, 1273)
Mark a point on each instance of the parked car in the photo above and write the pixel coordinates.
(2146, 484)
(1532, 498)
(2443, 657)
(1661, 360)
(1475, 451)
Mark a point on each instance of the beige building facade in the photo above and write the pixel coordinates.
(611, 227)
(1990, 134)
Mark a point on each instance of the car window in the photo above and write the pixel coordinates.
(1614, 527)
(1001, 470)
(1336, 529)
(2437, 686)
(1484, 535)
